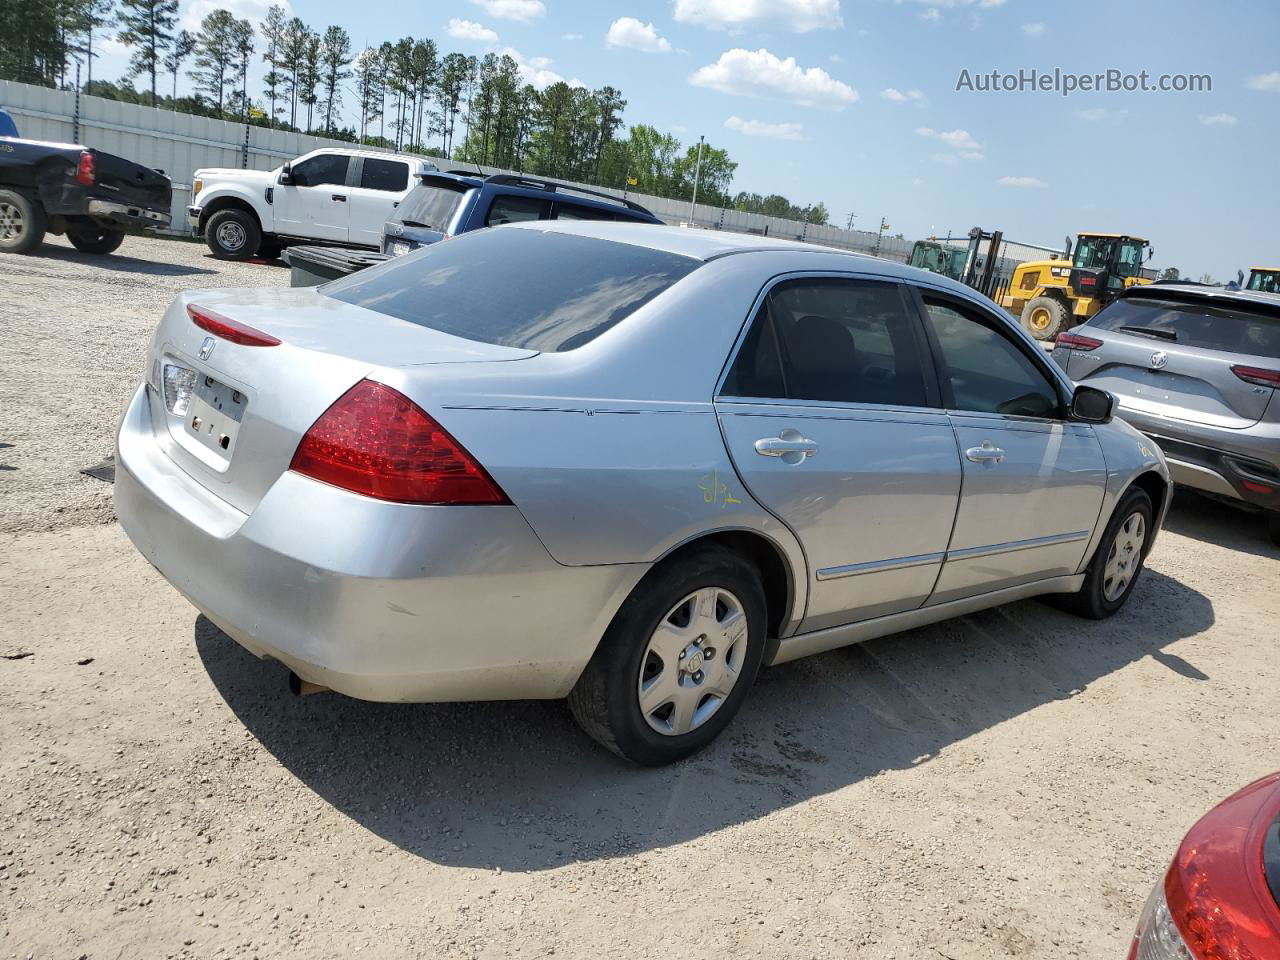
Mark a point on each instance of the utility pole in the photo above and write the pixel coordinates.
(850, 224)
(697, 174)
(879, 234)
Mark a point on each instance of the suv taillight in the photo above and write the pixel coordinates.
(1259, 375)
(376, 442)
(86, 172)
(1073, 341)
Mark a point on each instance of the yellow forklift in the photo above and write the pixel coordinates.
(1050, 296)
(1264, 279)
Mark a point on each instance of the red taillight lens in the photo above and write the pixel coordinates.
(1073, 341)
(1259, 375)
(229, 329)
(377, 442)
(86, 173)
(1088, 281)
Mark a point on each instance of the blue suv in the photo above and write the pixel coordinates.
(446, 204)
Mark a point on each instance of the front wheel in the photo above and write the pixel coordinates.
(1118, 562)
(1045, 317)
(233, 234)
(92, 238)
(677, 661)
(22, 222)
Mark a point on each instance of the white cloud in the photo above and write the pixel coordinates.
(1022, 182)
(799, 16)
(1270, 82)
(758, 128)
(523, 10)
(955, 139)
(897, 96)
(631, 33)
(917, 182)
(571, 36)
(1219, 120)
(461, 29)
(759, 73)
(1097, 114)
(534, 70)
(931, 15)
(1033, 29)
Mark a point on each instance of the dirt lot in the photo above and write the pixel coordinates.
(1009, 784)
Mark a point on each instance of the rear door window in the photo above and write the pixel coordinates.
(512, 287)
(326, 168)
(575, 211)
(389, 175)
(514, 209)
(1195, 322)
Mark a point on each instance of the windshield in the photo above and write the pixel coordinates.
(1230, 327)
(431, 206)
(1265, 281)
(1094, 253)
(517, 288)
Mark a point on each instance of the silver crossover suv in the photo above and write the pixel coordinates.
(621, 463)
(1198, 370)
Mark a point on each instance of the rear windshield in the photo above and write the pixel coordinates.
(1230, 327)
(517, 288)
(431, 206)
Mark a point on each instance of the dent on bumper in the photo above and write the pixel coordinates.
(375, 600)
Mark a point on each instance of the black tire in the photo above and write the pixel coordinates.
(23, 222)
(1092, 601)
(233, 234)
(90, 237)
(1273, 526)
(269, 248)
(1045, 317)
(606, 699)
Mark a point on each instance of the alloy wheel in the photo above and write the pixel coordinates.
(10, 221)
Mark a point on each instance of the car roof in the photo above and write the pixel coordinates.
(1191, 291)
(534, 187)
(379, 154)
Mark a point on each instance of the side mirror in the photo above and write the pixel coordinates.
(286, 176)
(1151, 251)
(1091, 405)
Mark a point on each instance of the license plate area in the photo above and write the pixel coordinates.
(214, 416)
(399, 248)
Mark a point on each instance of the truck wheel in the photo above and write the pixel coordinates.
(1045, 317)
(22, 222)
(89, 237)
(233, 235)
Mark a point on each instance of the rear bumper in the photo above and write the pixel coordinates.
(1240, 464)
(376, 600)
(128, 214)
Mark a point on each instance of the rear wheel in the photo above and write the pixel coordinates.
(1117, 564)
(677, 661)
(22, 222)
(89, 237)
(1045, 317)
(233, 234)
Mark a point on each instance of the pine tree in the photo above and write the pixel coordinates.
(216, 55)
(147, 26)
(184, 44)
(309, 74)
(294, 53)
(335, 55)
(274, 29)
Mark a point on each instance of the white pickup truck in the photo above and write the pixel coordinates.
(326, 196)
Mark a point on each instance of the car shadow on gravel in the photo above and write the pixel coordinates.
(1211, 521)
(119, 263)
(517, 786)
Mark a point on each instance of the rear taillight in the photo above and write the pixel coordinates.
(1259, 375)
(377, 442)
(86, 173)
(1157, 937)
(1088, 281)
(229, 329)
(1073, 341)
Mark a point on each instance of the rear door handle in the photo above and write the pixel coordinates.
(789, 442)
(987, 453)
(340, 197)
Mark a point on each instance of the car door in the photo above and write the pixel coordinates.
(379, 186)
(831, 416)
(1033, 479)
(315, 205)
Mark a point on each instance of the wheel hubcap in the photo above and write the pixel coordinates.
(1124, 557)
(1039, 319)
(10, 221)
(693, 661)
(231, 236)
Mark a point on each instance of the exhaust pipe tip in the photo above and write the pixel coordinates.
(304, 688)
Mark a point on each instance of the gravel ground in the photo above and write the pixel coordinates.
(1006, 785)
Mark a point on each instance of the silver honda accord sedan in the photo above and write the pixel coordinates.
(623, 464)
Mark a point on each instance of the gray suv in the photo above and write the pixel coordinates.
(1198, 370)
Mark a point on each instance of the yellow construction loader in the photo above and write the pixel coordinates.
(1050, 296)
(1264, 279)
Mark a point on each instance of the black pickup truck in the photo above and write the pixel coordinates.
(91, 196)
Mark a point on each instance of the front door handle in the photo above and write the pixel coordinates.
(341, 198)
(790, 445)
(987, 453)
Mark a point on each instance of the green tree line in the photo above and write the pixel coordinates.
(406, 95)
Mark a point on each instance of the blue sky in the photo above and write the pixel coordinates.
(855, 104)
